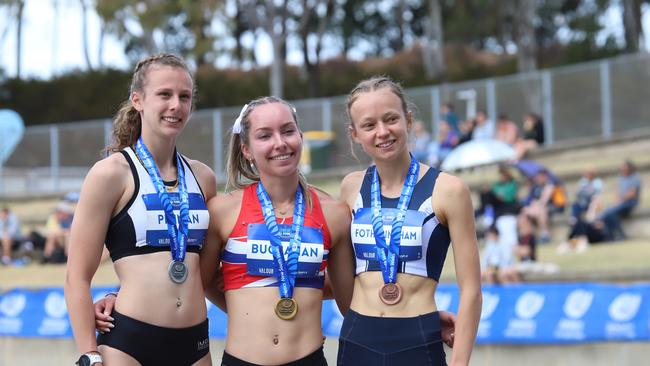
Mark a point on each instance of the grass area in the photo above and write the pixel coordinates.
(631, 255)
(606, 258)
(36, 275)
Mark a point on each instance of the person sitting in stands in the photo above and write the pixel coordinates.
(10, 235)
(447, 140)
(506, 131)
(502, 196)
(497, 262)
(57, 235)
(533, 135)
(589, 187)
(543, 199)
(629, 192)
(484, 128)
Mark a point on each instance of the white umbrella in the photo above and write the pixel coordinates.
(477, 152)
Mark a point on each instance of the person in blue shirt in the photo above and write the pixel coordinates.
(627, 198)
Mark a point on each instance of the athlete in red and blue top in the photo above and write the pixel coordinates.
(248, 249)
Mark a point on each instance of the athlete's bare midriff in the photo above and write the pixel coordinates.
(257, 335)
(149, 295)
(417, 296)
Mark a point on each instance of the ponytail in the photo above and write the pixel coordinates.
(127, 124)
(239, 170)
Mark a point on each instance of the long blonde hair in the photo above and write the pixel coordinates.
(127, 124)
(238, 167)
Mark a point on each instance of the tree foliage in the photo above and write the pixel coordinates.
(458, 40)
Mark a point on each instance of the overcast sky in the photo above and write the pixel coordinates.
(45, 55)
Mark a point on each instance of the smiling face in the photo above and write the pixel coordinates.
(380, 124)
(274, 140)
(165, 103)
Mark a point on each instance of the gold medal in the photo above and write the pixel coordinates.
(286, 308)
(390, 293)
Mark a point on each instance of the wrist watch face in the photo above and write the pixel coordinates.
(84, 360)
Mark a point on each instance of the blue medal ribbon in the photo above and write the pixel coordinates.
(178, 229)
(286, 270)
(388, 253)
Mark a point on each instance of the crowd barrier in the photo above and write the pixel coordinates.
(515, 314)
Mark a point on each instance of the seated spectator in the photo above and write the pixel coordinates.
(589, 187)
(629, 192)
(466, 131)
(447, 140)
(449, 116)
(584, 232)
(57, 235)
(506, 131)
(9, 233)
(497, 264)
(533, 136)
(502, 196)
(544, 198)
(419, 141)
(484, 128)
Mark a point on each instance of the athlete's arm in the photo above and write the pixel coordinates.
(453, 206)
(211, 255)
(102, 189)
(340, 268)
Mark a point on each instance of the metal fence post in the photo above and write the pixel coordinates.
(54, 157)
(547, 100)
(435, 111)
(491, 100)
(326, 105)
(217, 138)
(605, 99)
(108, 131)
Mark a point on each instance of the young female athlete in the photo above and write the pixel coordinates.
(147, 203)
(404, 216)
(274, 300)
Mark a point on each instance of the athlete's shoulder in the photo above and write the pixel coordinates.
(111, 167)
(351, 184)
(205, 176)
(450, 185)
(226, 202)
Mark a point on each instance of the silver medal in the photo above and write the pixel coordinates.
(177, 271)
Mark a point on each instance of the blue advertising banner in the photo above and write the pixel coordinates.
(515, 314)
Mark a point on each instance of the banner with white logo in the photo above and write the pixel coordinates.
(517, 314)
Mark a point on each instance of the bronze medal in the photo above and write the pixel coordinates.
(286, 308)
(390, 293)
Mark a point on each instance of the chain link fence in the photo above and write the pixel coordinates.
(585, 100)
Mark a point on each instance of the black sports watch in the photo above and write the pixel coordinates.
(89, 359)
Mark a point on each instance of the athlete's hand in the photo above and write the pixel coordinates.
(103, 310)
(448, 324)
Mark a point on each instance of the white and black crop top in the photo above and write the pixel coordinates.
(425, 240)
(140, 227)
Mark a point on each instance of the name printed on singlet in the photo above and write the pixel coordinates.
(157, 234)
(259, 258)
(363, 236)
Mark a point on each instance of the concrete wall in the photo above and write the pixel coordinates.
(31, 351)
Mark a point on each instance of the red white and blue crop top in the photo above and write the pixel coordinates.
(248, 248)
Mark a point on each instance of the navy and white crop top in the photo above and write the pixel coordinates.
(140, 227)
(425, 241)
